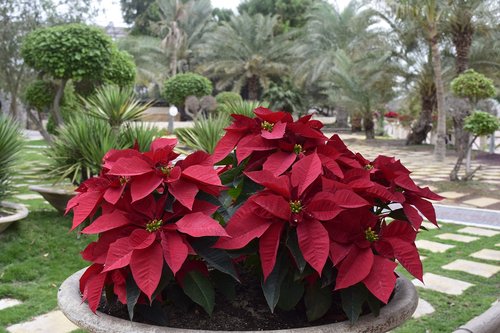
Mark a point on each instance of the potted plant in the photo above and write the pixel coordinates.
(77, 151)
(10, 147)
(290, 229)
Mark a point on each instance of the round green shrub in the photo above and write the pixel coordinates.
(481, 123)
(227, 97)
(121, 71)
(473, 85)
(73, 51)
(180, 86)
(39, 95)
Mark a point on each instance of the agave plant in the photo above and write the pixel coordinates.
(10, 147)
(78, 151)
(115, 105)
(244, 108)
(205, 133)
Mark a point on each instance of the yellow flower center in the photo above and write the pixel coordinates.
(368, 167)
(267, 126)
(154, 225)
(297, 149)
(123, 180)
(295, 206)
(371, 235)
(166, 170)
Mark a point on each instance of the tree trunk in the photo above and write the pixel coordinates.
(423, 126)
(253, 88)
(440, 147)
(56, 109)
(460, 109)
(13, 104)
(369, 126)
(39, 126)
(342, 117)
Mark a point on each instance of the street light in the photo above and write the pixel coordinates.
(172, 112)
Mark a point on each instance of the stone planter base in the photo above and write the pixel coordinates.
(21, 213)
(56, 196)
(399, 309)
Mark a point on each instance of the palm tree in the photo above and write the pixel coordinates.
(244, 52)
(181, 26)
(427, 15)
(327, 31)
(362, 85)
(466, 17)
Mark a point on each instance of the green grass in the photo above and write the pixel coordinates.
(37, 253)
(453, 311)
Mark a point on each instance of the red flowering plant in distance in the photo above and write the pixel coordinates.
(314, 221)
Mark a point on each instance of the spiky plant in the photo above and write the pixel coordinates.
(141, 133)
(115, 105)
(205, 133)
(244, 108)
(11, 143)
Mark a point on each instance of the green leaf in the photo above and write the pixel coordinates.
(200, 290)
(352, 301)
(293, 245)
(217, 258)
(317, 301)
(271, 287)
(291, 293)
(224, 284)
(374, 303)
(133, 293)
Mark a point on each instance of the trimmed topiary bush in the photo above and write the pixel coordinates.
(473, 85)
(179, 87)
(227, 97)
(121, 71)
(39, 95)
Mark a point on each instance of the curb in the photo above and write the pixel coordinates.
(487, 322)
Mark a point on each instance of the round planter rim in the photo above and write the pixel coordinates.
(397, 311)
(21, 212)
(51, 189)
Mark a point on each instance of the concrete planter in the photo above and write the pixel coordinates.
(20, 213)
(399, 309)
(57, 197)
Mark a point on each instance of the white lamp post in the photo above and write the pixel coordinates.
(172, 112)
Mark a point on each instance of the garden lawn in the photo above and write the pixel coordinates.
(453, 311)
(37, 253)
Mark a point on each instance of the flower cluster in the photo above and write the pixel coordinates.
(317, 218)
(391, 114)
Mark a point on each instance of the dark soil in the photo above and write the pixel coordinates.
(248, 311)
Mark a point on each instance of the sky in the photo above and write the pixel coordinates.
(111, 11)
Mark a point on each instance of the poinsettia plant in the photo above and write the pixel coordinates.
(315, 221)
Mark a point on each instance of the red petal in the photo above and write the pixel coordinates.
(140, 239)
(305, 172)
(119, 254)
(243, 227)
(349, 199)
(274, 204)
(130, 166)
(313, 243)
(113, 194)
(146, 266)
(323, 209)
(184, 192)
(203, 174)
(200, 225)
(407, 255)
(175, 250)
(107, 222)
(226, 145)
(331, 165)
(339, 251)
(93, 290)
(381, 280)
(268, 247)
(249, 144)
(83, 206)
(91, 271)
(276, 133)
(405, 182)
(424, 206)
(144, 185)
(413, 215)
(354, 268)
(279, 185)
(279, 162)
